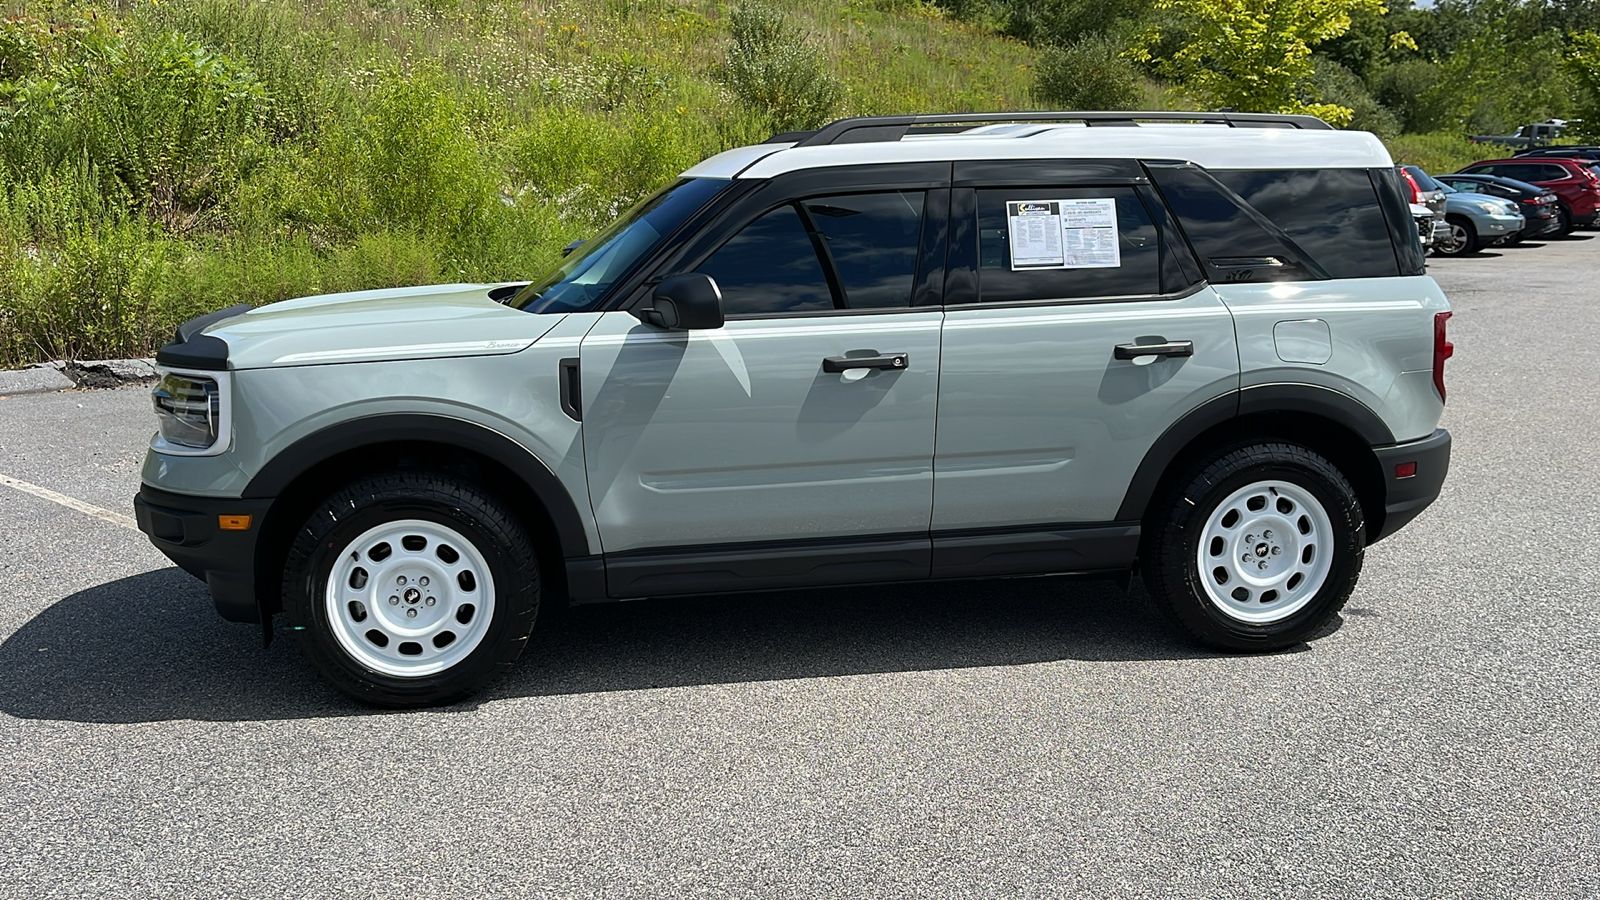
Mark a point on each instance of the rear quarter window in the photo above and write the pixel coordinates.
(1333, 214)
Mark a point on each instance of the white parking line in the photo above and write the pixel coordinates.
(87, 509)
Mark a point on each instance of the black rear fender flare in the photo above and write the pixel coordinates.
(1258, 401)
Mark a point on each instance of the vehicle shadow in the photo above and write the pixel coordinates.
(150, 648)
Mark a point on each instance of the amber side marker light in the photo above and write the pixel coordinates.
(233, 523)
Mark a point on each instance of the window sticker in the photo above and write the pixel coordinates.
(1064, 234)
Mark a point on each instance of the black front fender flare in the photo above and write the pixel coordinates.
(374, 431)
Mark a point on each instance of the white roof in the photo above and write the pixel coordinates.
(1209, 145)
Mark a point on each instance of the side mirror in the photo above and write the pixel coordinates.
(684, 302)
(567, 250)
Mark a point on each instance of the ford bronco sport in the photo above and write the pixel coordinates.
(891, 350)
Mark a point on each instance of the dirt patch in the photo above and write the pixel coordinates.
(106, 375)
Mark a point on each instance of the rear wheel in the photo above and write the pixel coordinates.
(1257, 547)
(1564, 216)
(411, 589)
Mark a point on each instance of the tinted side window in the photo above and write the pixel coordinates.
(872, 240)
(1067, 251)
(1231, 243)
(770, 267)
(1519, 171)
(1333, 214)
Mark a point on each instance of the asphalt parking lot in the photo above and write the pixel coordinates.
(1022, 738)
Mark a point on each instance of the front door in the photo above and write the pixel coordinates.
(802, 430)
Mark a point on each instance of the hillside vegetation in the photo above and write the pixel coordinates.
(162, 159)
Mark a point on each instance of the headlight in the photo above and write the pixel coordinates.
(1492, 209)
(192, 410)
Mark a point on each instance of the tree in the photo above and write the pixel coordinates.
(1583, 63)
(1254, 55)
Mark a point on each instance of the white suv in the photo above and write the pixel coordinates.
(894, 349)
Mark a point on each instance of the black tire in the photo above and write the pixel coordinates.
(1464, 238)
(1174, 532)
(399, 496)
(1565, 216)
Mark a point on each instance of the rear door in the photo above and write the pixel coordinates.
(1059, 270)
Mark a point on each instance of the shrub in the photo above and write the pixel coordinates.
(1090, 74)
(1333, 83)
(773, 71)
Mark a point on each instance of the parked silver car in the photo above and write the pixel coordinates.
(1476, 219)
(1206, 349)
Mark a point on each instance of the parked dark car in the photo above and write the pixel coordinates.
(1575, 184)
(1537, 204)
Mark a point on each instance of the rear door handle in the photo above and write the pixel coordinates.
(883, 361)
(1170, 348)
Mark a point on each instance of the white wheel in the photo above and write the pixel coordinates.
(1265, 552)
(410, 598)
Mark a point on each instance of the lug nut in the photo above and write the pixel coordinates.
(430, 601)
(400, 580)
(1265, 535)
(394, 601)
(411, 614)
(424, 579)
(1246, 559)
(1262, 564)
(1276, 550)
(1248, 539)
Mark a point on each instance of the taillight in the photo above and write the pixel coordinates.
(1442, 350)
(1416, 194)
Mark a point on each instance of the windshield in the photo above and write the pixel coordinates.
(584, 277)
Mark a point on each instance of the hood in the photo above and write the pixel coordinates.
(1469, 203)
(369, 326)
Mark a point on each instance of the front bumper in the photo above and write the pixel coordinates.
(185, 528)
(1501, 226)
(1405, 498)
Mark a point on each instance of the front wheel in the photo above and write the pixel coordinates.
(1463, 238)
(1564, 221)
(1256, 548)
(411, 588)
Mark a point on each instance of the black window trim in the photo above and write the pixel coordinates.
(1189, 291)
(792, 188)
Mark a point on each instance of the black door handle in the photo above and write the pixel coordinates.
(883, 361)
(1170, 348)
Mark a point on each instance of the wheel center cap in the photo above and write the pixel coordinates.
(1261, 550)
(413, 595)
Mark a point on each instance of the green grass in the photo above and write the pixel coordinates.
(1440, 152)
(162, 159)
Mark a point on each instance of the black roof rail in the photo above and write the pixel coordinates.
(876, 129)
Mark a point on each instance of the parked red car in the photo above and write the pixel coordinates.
(1574, 183)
